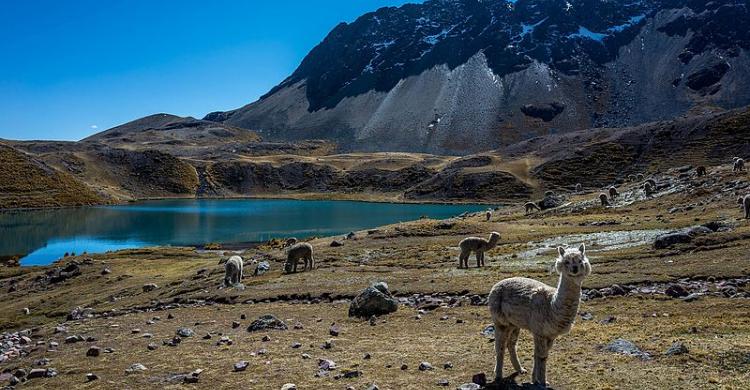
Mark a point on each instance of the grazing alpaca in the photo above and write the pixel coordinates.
(652, 183)
(299, 251)
(603, 199)
(477, 245)
(744, 201)
(579, 187)
(700, 171)
(739, 165)
(531, 206)
(631, 178)
(613, 193)
(488, 215)
(546, 312)
(639, 177)
(233, 272)
(648, 189)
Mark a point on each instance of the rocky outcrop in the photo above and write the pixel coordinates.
(462, 184)
(455, 77)
(375, 300)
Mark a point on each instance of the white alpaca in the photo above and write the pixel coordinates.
(546, 312)
(299, 251)
(477, 245)
(744, 201)
(233, 271)
(739, 165)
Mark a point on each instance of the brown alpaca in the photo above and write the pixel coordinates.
(299, 251)
(613, 193)
(604, 200)
(477, 245)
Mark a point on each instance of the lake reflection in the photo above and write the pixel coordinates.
(43, 236)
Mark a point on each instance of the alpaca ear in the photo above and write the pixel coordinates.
(582, 248)
(587, 268)
(561, 251)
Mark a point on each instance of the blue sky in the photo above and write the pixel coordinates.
(72, 68)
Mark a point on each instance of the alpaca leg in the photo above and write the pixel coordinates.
(478, 255)
(512, 341)
(542, 346)
(463, 259)
(294, 266)
(500, 341)
(312, 262)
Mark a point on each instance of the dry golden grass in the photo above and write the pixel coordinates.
(412, 257)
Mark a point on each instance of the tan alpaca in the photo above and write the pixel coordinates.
(547, 312)
(233, 271)
(603, 199)
(529, 206)
(299, 251)
(477, 245)
(613, 193)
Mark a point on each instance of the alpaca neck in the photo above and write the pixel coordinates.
(492, 242)
(566, 299)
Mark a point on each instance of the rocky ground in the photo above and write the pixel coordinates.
(667, 305)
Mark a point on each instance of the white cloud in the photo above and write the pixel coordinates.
(94, 127)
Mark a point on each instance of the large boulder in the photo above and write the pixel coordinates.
(373, 301)
(550, 202)
(267, 321)
(680, 237)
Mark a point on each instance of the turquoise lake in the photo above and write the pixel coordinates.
(42, 236)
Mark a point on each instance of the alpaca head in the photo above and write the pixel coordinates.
(494, 237)
(573, 262)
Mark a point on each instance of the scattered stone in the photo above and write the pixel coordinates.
(235, 324)
(41, 373)
(676, 291)
(93, 351)
(262, 268)
(480, 379)
(267, 321)
(185, 332)
(374, 300)
(626, 347)
(489, 331)
(334, 330)
(170, 316)
(352, 374)
(327, 345)
(152, 347)
(60, 329)
(336, 243)
(447, 365)
(677, 348)
(325, 364)
(150, 287)
(241, 366)
(586, 316)
(289, 386)
(469, 386)
(443, 382)
(692, 297)
(296, 345)
(106, 271)
(135, 367)
(404, 367)
(425, 366)
(73, 339)
(91, 377)
(193, 376)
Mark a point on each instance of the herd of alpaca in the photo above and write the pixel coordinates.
(515, 303)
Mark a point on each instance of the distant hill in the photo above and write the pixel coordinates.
(27, 182)
(462, 76)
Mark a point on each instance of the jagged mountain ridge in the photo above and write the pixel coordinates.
(469, 75)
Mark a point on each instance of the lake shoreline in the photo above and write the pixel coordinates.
(307, 196)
